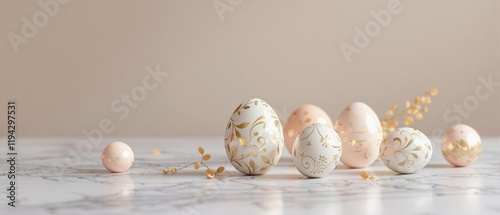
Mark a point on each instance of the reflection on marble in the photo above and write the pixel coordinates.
(88, 188)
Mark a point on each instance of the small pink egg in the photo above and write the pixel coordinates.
(302, 117)
(117, 157)
(461, 145)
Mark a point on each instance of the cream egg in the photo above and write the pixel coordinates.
(406, 150)
(461, 145)
(301, 118)
(360, 131)
(254, 137)
(316, 150)
(117, 157)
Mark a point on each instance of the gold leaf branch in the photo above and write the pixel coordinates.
(411, 111)
(210, 173)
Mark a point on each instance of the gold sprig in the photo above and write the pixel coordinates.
(210, 173)
(411, 111)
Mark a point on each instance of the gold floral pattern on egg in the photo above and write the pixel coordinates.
(254, 137)
(316, 150)
(405, 150)
(319, 164)
(461, 148)
(461, 145)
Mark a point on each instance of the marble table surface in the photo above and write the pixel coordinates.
(47, 185)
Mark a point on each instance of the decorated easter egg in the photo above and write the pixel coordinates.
(360, 131)
(117, 157)
(316, 150)
(406, 150)
(461, 145)
(254, 137)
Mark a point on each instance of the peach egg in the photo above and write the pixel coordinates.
(117, 157)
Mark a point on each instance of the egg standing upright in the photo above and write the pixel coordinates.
(254, 137)
(360, 131)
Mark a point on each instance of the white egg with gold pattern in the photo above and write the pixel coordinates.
(254, 137)
(406, 150)
(316, 150)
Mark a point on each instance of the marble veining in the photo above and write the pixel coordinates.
(46, 187)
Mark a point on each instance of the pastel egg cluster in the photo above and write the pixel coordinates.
(254, 141)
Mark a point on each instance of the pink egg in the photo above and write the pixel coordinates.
(302, 117)
(461, 145)
(117, 157)
(360, 130)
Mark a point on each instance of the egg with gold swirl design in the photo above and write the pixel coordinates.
(316, 150)
(461, 145)
(254, 137)
(406, 150)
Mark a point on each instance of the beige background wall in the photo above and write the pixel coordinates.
(67, 76)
